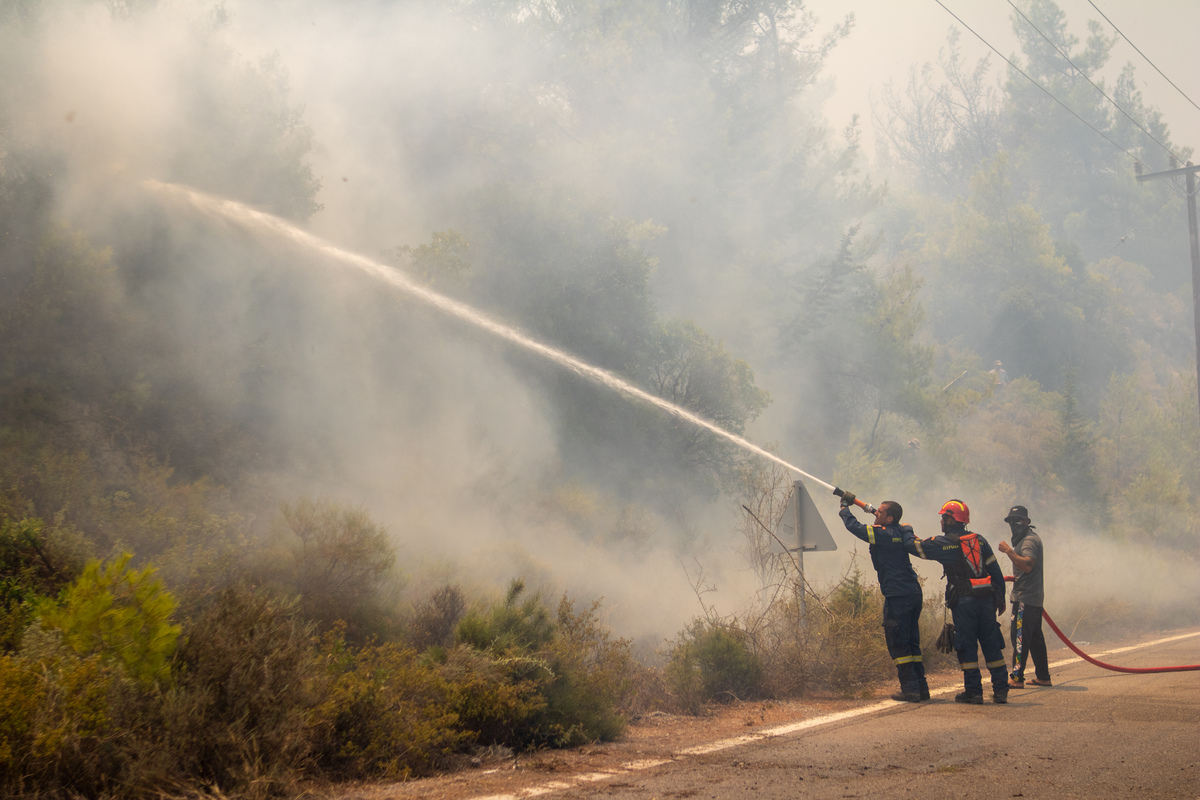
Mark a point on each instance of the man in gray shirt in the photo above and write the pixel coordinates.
(1028, 597)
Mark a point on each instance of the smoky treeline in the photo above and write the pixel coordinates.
(993, 309)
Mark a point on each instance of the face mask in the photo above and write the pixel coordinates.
(1018, 528)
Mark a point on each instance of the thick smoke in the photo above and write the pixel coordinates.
(438, 430)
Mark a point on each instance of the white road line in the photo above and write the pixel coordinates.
(1135, 647)
(766, 733)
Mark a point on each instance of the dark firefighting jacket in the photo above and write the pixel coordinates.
(969, 565)
(890, 547)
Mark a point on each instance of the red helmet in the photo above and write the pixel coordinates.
(957, 509)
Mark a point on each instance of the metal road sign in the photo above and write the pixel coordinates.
(802, 527)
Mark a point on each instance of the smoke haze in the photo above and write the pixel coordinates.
(649, 158)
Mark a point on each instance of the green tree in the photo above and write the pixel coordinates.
(1083, 184)
(121, 614)
(690, 369)
(949, 122)
(1075, 463)
(860, 335)
(1144, 459)
(1000, 282)
(939, 129)
(580, 280)
(568, 271)
(442, 264)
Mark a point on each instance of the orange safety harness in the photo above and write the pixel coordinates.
(980, 581)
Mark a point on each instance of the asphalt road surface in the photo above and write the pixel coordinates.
(1094, 734)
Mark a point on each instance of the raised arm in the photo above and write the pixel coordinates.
(1019, 562)
(860, 530)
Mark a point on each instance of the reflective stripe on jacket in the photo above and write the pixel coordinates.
(890, 547)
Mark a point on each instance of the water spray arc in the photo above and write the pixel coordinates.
(247, 216)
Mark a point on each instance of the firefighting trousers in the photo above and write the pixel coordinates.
(902, 632)
(975, 629)
(1027, 640)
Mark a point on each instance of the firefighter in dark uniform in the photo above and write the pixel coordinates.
(975, 596)
(890, 544)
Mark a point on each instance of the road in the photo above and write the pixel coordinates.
(1095, 734)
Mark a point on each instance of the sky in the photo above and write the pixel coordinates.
(889, 36)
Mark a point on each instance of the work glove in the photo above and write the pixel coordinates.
(945, 640)
(1001, 605)
(848, 499)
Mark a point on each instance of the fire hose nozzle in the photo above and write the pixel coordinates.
(865, 506)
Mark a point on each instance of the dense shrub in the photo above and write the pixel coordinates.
(22, 691)
(249, 703)
(502, 673)
(540, 679)
(593, 675)
(69, 723)
(83, 690)
(385, 714)
(712, 661)
(28, 573)
(515, 625)
(497, 697)
(340, 565)
(249, 686)
(436, 619)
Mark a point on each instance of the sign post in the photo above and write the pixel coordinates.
(802, 524)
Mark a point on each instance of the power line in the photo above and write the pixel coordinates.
(1046, 91)
(995, 346)
(1089, 80)
(1140, 225)
(1143, 55)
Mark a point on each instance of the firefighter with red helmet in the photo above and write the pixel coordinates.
(975, 596)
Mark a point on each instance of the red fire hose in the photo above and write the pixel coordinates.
(1097, 662)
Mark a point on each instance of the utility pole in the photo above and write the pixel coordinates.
(1190, 172)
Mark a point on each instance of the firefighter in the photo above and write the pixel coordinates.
(890, 544)
(975, 596)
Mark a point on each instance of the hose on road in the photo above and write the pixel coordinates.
(1099, 663)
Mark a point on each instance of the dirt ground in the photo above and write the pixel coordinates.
(654, 737)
